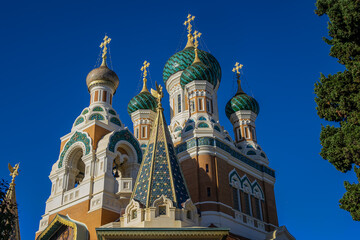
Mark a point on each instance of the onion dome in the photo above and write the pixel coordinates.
(144, 100)
(102, 76)
(198, 71)
(183, 59)
(241, 101)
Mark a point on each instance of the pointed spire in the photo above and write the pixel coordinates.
(160, 172)
(146, 64)
(196, 36)
(237, 70)
(106, 41)
(190, 40)
(11, 197)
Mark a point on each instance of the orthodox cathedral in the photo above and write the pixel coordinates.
(186, 180)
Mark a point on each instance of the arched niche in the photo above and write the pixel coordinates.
(75, 166)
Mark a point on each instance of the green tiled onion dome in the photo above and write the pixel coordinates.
(143, 100)
(241, 101)
(198, 71)
(183, 59)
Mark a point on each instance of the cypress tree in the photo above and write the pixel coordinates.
(338, 96)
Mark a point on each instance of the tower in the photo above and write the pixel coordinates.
(10, 201)
(242, 111)
(193, 181)
(160, 205)
(98, 162)
(230, 185)
(141, 109)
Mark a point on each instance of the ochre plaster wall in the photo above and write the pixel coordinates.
(92, 220)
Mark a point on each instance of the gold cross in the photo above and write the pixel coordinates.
(103, 46)
(196, 36)
(146, 64)
(188, 22)
(237, 68)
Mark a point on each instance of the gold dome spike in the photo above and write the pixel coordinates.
(196, 36)
(146, 64)
(158, 94)
(189, 28)
(237, 70)
(106, 41)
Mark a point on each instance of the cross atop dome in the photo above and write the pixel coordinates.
(146, 65)
(237, 70)
(196, 42)
(106, 41)
(189, 28)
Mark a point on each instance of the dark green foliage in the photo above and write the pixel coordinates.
(351, 199)
(338, 95)
(7, 218)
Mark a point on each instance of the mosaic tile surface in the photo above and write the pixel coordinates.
(160, 172)
(115, 121)
(76, 137)
(241, 102)
(143, 100)
(125, 135)
(183, 59)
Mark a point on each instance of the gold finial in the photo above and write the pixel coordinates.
(237, 70)
(158, 94)
(14, 171)
(146, 64)
(189, 28)
(103, 46)
(196, 36)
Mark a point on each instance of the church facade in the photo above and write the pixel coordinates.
(186, 180)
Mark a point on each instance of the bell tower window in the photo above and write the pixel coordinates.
(76, 169)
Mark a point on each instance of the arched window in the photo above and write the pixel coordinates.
(247, 204)
(96, 116)
(236, 198)
(258, 211)
(120, 164)
(251, 152)
(202, 118)
(76, 169)
(98, 109)
(203, 125)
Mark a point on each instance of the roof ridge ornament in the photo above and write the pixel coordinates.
(189, 29)
(146, 65)
(196, 42)
(237, 70)
(158, 94)
(106, 41)
(14, 171)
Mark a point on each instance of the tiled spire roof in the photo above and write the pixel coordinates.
(160, 172)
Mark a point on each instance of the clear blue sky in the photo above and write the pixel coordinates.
(48, 47)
